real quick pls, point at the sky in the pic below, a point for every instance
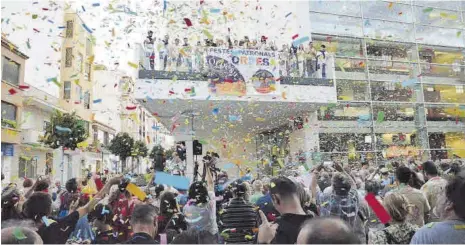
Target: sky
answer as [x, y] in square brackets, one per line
[33, 25]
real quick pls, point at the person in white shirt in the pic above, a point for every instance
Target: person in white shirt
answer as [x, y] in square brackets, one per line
[149, 50]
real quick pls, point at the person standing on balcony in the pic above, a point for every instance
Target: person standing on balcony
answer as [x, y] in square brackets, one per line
[263, 45]
[187, 59]
[310, 57]
[175, 56]
[149, 49]
[164, 52]
[293, 61]
[301, 60]
[284, 60]
[198, 57]
[321, 60]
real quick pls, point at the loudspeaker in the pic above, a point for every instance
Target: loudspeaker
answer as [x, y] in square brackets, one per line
[197, 148]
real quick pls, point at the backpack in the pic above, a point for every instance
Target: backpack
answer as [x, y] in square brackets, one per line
[392, 240]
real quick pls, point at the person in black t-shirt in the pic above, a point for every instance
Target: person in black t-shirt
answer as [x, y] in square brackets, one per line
[144, 225]
[284, 195]
[39, 206]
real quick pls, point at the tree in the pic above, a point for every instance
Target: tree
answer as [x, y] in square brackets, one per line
[157, 156]
[66, 131]
[121, 145]
[139, 150]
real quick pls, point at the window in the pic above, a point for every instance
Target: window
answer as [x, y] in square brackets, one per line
[106, 138]
[46, 124]
[10, 71]
[67, 90]
[334, 24]
[87, 100]
[96, 135]
[27, 167]
[79, 93]
[69, 57]
[80, 63]
[88, 47]
[381, 10]
[69, 28]
[88, 67]
[8, 115]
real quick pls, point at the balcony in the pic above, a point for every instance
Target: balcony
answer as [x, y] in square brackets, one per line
[31, 136]
[219, 73]
[220, 63]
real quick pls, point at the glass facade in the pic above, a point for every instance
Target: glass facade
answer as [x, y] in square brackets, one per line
[400, 78]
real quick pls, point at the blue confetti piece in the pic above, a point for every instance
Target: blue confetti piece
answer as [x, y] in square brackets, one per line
[301, 40]
[287, 15]
[45, 220]
[83, 9]
[215, 11]
[233, 118]
[105, 211]
[50, 21]
[63, 129]
[215, 111]
[87, 28]
[155, 127]
[208, 98]
[365, 117]
[408, 83]
[97, 101]
[228, 166]
[178, 182]
[62, 27]
[96, 4]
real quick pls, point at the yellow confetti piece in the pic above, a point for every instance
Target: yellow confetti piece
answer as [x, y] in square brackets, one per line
[260, 119]
[459, 227]
[208, 34]
[273, 185]
[83, 144]
[133, 65]
[91, 59]
[283, 94]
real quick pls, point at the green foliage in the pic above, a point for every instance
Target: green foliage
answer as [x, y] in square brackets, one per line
[169, 153]
[156, 150]
[139, 149]
[54, 135]
[121, 145]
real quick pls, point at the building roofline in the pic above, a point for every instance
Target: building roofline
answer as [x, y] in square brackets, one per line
[8, 44]
[98, 123]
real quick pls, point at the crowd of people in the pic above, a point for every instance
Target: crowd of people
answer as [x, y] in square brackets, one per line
[352, 204]
[295, 60]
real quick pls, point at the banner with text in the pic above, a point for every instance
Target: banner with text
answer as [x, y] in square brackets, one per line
[242, 71]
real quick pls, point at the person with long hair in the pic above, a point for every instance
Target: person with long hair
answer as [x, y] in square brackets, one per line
[10, 200]
[200, 210]
[400, 231]
[170, 217]
[101, 219]
[415, 197]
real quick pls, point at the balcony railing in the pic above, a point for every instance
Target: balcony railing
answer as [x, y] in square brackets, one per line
[192, 63]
